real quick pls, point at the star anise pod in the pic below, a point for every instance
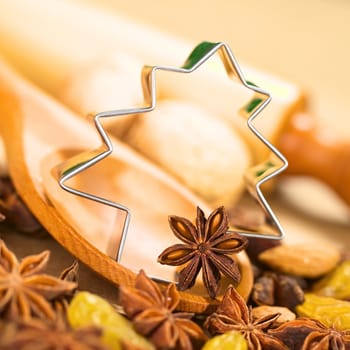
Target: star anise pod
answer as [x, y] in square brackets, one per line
[24, 291]
[233, 314]
[206, 246]
[69, 274]
[153, 316]
[53, 335]
[310, 334]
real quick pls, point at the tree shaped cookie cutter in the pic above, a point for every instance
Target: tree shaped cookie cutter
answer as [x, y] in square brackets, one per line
[255, 176]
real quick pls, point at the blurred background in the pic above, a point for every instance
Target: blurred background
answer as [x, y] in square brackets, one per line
[303, 42]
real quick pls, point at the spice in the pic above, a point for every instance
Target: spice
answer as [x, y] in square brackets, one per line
[310, 334]
[152, 313]
[24, 291]
[54, 335]
[206, 246]
[13, 210]
[70, 273]
[233, 314]
[277, 289]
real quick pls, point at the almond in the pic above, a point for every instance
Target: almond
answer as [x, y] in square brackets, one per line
[305, 260]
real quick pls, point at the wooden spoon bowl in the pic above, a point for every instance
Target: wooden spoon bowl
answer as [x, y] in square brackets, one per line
[39, 134]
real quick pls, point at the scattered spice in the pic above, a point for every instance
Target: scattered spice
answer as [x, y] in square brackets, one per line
[69, 274]
[24, 291]
[152, 313]
[13, 210]
[53, 335]
[310, 334]
[233, 314]
[34, 305]
[277, 289]
[206, 247]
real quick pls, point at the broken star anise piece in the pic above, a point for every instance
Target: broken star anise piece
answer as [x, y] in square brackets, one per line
[206, 246]
[233, 314]
[310, 334]
[52, 335]
[69, 274]
[24, 291]
[151, 312]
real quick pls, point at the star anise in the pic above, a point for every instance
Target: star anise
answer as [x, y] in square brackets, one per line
[207, 246]
[233, 314]
[24, 291]
[69, 274]
[53, 335]
[310, 334]
[151, 312]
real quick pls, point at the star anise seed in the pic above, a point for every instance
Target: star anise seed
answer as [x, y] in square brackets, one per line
[233, 314]
[153, 316]
[206, 247]
[24, 291]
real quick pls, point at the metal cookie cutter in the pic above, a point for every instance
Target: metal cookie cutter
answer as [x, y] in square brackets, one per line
[255, 176]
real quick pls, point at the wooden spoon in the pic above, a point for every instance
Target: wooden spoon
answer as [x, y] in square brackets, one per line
[39, 134]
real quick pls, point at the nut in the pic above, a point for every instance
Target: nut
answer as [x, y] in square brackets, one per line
[305, 260]
[285, 314]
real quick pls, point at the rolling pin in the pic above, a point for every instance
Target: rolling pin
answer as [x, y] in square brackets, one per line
[78, 42]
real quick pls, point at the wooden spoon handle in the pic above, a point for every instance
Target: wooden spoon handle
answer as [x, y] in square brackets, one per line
[315, 151]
